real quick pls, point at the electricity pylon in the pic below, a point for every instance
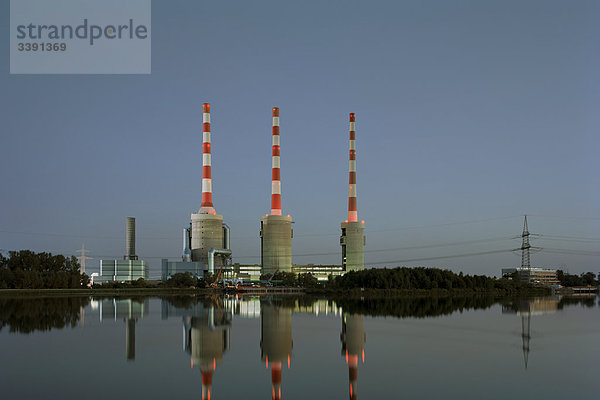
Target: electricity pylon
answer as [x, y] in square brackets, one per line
[83, 257]
[525, 246]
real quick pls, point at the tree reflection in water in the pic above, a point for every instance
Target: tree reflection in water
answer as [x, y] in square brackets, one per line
[27, 315]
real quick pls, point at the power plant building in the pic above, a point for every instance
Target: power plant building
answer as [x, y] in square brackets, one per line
[122, 270]
[128, 269]
[534, 276]
[276, 229]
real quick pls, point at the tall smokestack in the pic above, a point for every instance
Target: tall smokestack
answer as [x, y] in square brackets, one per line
[130, 239]
[276, 229]
[207, 206]
[352, 206]
[275, 175]
[207, 225]
[187, 252]
[352, 239]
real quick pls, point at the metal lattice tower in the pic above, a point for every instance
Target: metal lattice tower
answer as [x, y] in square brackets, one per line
[525, 246]
[83, 257]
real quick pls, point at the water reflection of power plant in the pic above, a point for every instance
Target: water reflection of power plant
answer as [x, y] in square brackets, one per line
[206, 329]
[207, 326]
[128, 310]
[206, 340]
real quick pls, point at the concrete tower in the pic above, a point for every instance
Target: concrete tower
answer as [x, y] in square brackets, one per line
[130, 240]
[353, 347]
[207, 225]
[353, 239]
[276, 341]
[276, 229]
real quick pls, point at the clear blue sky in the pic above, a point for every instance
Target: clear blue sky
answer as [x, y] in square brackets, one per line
[467, 111]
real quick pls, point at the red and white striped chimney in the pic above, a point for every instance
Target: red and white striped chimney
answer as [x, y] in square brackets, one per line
[352, 207]
[207, 206]
[275, 175]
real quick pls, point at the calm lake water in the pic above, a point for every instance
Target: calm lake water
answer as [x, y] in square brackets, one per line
[184, 347]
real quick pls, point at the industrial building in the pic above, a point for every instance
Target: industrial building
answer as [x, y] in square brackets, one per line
[533, 276]
[321, 272]
[276, 229]
[246, 272]
[122, 271]
[128, 269]
[352, 239]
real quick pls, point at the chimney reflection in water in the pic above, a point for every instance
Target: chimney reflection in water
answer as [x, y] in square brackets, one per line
[130, 311]
[276, 341]
[353, 347]
[206, 340]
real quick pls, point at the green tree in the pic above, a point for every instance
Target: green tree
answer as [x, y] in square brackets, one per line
[28, 270]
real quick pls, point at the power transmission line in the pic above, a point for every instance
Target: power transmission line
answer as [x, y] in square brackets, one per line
[442, 257]
[567, 238]
[429, 246]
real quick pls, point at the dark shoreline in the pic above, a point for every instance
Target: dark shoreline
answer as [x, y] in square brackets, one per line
[351, 293]
[374, 293]
[105, 292]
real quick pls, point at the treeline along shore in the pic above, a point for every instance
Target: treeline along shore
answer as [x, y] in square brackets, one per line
[25, 272]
